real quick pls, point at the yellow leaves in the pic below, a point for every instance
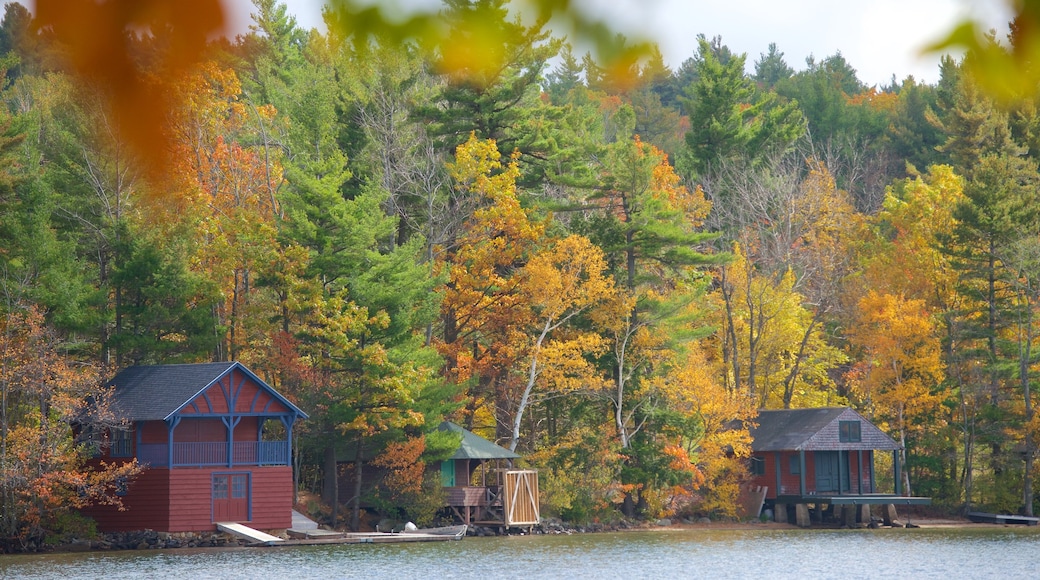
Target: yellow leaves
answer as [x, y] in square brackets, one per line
[473, 48]
[829, 212]
[568, 276]
[565, 366]
[905, 259]
[902, 359]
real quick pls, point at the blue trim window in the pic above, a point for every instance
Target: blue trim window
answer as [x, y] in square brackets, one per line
[758, 466]
[849, 432]
[238, 486]
[795, 465]
[122, 443]
[220, 488]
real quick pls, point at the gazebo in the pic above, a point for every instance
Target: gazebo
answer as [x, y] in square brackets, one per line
[482, 489]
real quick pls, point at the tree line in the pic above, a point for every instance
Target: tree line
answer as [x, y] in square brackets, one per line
[604, 266]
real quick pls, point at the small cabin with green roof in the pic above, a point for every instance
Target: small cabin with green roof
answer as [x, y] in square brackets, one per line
[482, 488]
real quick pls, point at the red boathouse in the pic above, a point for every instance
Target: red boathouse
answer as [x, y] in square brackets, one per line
[822, 456]
[216, 444]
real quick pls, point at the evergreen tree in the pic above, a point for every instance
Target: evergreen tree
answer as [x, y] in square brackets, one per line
[999, 207]
[493, 65]
[730, 119]
[770, 68]
[565, 77]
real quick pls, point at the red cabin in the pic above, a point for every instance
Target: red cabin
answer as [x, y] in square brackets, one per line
[216, 442]
[821, 456]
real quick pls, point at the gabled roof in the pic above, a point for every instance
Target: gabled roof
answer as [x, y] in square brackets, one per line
[474, 446]
[146, 393]
[814, 430]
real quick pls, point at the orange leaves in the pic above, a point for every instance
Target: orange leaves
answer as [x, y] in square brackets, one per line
[226, 193]
[95, 36]
[485, 270]
[404, 465]
[42, 469]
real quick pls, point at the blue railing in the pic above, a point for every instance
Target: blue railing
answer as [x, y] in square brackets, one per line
[215, 453]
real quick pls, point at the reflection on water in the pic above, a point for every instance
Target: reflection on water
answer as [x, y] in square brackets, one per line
[703, 553]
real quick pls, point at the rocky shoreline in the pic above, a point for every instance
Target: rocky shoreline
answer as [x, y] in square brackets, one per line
[152, 540]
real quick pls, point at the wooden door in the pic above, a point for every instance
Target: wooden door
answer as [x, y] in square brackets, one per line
[231, 497]
[448, 473]
[827, 471]
[520, 498]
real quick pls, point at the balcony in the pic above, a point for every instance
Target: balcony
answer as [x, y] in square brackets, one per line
[215, 453]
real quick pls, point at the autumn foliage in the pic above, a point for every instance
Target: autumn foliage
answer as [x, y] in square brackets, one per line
[598, 262]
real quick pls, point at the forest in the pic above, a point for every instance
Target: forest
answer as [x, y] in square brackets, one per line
[606, 266]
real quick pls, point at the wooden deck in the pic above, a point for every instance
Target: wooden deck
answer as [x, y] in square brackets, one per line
[849, 499]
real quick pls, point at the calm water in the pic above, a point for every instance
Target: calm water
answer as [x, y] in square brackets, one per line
[921, 553]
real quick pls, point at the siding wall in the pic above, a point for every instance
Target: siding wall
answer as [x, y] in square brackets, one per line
[181, 501]
[147, 504]
[190, 498]
[789, 482]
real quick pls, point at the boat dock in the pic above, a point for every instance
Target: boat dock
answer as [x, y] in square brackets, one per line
[305, 531]
[369, 538]
[988, 518]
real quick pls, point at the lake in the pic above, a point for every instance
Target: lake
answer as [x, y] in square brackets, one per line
[974, 552]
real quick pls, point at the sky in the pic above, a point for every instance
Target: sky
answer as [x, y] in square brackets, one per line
[879, 38]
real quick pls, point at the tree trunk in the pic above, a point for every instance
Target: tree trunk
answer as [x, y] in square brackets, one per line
[331, 487]
[729, 351]
[1025, 355]
[902, 453]
[355, 515]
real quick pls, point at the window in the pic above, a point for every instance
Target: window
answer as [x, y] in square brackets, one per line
[238, 486]
[220, 487]
[848, 432]
[796, 465]
[122, 443]
[758, 466]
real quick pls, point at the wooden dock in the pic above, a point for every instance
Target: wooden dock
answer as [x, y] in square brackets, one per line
[305, 532]
[315, 536]
[988, 518]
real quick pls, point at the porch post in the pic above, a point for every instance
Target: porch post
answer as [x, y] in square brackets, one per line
[801, 471]
[171, 424]
[840, 453]
[230, 423]
[873, 483]
[859, 471]
[776, 465]
[288, 422]
[896, 468]
[169, 443]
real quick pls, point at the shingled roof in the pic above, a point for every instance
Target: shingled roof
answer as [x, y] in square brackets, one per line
[146, 393]
[814, 430]
[474, 446]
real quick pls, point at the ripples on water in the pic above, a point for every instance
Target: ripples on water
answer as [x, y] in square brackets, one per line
[702, 553]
